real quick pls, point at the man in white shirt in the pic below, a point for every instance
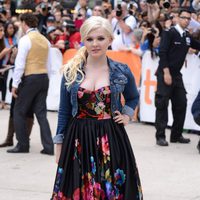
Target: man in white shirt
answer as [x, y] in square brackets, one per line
[123, 24]
[30, 85]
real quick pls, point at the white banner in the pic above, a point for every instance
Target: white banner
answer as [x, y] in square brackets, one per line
[55, 76]
[191, 75]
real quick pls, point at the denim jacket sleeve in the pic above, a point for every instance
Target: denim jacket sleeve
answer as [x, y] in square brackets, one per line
[64, 113]
[130, 94]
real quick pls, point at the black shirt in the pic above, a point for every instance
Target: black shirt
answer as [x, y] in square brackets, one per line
[173, 50]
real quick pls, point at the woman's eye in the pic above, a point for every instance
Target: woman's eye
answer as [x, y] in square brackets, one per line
[89, 39]
[101, 38]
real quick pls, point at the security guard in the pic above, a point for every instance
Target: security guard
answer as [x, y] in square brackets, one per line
[174, 46]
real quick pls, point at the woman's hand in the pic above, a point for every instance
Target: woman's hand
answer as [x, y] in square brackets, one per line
[58, 151]
[5, 51]
[121, 118]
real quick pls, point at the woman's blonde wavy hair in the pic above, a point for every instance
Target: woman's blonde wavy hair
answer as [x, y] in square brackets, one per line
[74, 65]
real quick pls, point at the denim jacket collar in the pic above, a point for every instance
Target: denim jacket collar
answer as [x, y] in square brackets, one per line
[114, 71]
[116, 74]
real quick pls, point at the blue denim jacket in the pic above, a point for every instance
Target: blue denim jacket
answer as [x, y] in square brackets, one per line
[121, 81]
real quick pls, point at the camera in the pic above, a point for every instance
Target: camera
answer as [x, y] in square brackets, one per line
[45, 7]
[2, 2]
[168, 17]
[151, 1]
[69, 24]
[107, 11]
[130, 10]
[2, 10]
[79, 15]
[119, 10]
[166, 4]
[153, 31]
[14, 46]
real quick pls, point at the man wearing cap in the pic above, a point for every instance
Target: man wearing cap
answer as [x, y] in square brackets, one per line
[30, 85]
[51, 21]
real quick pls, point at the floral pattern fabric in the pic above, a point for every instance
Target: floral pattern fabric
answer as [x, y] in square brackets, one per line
[94, 104]
[96, 162]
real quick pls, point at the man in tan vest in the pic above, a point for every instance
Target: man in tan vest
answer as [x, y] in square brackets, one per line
[30, 85]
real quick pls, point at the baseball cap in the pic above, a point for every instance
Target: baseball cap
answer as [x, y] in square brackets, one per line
[50, 29]
[51, 18]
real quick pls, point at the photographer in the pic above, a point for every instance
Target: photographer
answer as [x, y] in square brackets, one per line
[151, 39]
[123, 24]
[107, 8]
[3, 75]
[43, 10]
[56, 37]
[73, 39]
[3, 13]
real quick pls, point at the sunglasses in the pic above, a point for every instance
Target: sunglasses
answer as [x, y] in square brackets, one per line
[184, 17]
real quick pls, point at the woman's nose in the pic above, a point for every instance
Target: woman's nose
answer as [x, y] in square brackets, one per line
[94, 42]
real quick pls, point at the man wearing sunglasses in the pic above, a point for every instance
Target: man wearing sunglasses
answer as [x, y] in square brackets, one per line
[174, 46]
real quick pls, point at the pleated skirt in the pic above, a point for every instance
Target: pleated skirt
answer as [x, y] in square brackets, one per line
[96, 163]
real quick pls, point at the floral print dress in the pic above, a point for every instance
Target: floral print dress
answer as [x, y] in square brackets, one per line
[96, 162]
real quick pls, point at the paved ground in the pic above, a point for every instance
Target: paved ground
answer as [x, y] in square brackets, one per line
[167, 173]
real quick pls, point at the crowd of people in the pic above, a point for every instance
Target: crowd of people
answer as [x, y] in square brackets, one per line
[94, 155]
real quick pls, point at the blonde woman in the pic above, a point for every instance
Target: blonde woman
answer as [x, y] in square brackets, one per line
[95, 158]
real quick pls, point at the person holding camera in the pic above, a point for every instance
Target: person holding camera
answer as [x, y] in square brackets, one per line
[174, 46]
[3, 73]
[151, 39]
[3, 13]
[73, 37]
[43, 10]
[123, 24]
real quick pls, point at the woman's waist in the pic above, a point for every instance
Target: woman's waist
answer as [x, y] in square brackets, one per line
[93, 114]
